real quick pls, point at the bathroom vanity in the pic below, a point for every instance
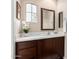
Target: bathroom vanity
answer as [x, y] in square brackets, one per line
[40, 48]
[41, 27]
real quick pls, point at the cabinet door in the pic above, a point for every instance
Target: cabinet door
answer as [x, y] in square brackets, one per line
[51, 46]
[46, 47]
[59, 42]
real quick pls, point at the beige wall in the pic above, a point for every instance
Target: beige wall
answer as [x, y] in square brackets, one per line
[48, 4]
[62, 6]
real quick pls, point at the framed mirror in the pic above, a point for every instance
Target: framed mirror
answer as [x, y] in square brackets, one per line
[60, 19]
[18, 11]
[47, 19]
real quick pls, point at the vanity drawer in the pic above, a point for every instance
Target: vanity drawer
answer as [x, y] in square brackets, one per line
[27, 52]
[23, 45]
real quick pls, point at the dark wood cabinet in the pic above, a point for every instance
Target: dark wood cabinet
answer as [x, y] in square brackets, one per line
[40, 49]
[26, 50]
[51, 46]
[60, 46]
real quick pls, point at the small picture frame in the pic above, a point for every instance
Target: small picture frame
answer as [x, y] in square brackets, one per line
[18, 11]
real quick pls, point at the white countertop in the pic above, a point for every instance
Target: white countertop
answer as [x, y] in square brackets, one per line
[39, 37]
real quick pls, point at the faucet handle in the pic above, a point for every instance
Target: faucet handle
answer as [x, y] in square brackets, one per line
[48, 33]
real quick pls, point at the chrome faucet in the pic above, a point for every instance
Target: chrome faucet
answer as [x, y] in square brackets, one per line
[48, 33]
